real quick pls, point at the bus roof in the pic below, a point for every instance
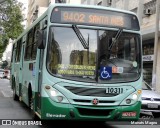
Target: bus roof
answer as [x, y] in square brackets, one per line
[92, 6]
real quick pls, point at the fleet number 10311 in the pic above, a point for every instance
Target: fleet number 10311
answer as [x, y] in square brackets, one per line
[114, 90]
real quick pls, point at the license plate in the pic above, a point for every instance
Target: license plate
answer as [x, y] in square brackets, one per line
[129, 114]
[152, 105]
[114, 90]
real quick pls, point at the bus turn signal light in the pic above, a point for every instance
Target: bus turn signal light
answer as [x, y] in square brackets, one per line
[139, 91]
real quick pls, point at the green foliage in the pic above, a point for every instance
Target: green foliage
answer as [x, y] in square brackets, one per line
[3, 43]
[10, 20]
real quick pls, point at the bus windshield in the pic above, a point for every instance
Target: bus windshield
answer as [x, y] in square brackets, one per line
[68, 59]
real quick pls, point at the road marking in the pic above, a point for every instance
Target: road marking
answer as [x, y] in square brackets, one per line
[5, 94]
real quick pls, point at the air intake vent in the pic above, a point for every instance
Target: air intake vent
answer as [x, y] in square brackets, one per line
[84, 91]
[94, 112]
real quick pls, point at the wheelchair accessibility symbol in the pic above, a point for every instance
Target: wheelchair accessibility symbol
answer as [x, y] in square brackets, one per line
[106, 72]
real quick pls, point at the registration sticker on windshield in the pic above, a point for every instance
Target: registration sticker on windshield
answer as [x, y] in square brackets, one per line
[117, 69]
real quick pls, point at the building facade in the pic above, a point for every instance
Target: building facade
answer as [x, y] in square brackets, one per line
[37, 7]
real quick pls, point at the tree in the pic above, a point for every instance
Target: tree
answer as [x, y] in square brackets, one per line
[3, 43]
[10, 22]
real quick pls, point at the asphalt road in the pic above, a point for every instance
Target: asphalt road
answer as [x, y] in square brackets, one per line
[18, 114]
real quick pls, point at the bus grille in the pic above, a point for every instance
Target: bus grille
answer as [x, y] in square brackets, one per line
[89, 101]
[94, 112]
[84, 91]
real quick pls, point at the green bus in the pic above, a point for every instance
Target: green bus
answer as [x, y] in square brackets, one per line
[79, 62]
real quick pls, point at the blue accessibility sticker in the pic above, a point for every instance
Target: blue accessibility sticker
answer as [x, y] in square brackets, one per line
[105, 72]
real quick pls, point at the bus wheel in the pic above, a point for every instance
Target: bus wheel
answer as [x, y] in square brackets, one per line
[30, 99]
[15, 97]
[34, 116]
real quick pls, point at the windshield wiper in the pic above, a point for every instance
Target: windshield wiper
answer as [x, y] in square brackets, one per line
[80, 37]
[115, 38]
[88, 49]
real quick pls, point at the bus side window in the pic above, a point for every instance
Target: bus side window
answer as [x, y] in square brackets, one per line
[34, 43]
[13, 49]
[18, 51]
[29, 45]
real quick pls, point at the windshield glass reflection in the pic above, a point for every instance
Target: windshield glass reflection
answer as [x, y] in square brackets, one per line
[69, 58]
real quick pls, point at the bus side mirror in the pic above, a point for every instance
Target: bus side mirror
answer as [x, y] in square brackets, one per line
[40, 42]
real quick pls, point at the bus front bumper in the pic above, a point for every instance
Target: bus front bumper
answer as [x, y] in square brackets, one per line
[52, 110]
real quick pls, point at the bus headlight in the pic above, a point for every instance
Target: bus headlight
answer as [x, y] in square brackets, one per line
[134, 97]
[131, 99]
[128, 101]
[55, 95]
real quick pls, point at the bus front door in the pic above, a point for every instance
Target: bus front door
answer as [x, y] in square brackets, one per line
[39, 81]
[39, 63]
[21, 71]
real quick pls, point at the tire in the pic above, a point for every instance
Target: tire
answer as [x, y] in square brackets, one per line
[15, 97]
[156, 114]
[34, 116]
[30, 100]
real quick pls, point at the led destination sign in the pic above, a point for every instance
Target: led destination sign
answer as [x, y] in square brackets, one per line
[94, 17]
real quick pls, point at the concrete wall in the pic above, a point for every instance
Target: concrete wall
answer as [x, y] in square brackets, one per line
[43, 4]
